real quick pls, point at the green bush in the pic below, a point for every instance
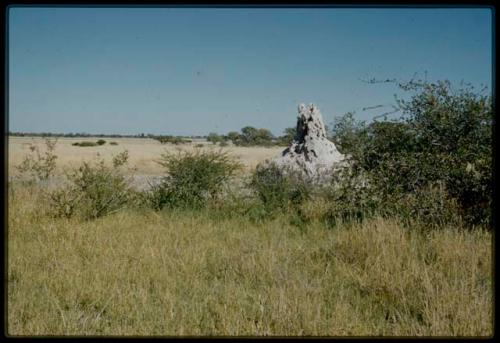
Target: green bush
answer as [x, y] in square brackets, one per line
[193, 179]
[101, 142]
[279, 190]
[85, 144]
[113, 143]
[251, 136]
[214, 138]
[444, 137]
[172, 139]
[94, 190]
[351, 196]
[430, 206]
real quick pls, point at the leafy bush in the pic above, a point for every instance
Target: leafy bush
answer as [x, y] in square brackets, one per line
[101, 142]
[192, 180]
[171, 139]
[214, 138]
[279, 189]
[94, 190]
[443, 138]
[431, 206]
[233, 136]
[38, 166]
[351, 196]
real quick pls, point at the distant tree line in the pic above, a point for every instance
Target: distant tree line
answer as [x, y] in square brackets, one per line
[171, 139]
[251, 136]
[84, 134]
[248, 136]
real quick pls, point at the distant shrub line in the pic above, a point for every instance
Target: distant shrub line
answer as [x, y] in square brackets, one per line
[89, 143]
[249, 136]
[171, 139]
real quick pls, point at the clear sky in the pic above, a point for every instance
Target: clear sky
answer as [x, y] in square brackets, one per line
[191, 71]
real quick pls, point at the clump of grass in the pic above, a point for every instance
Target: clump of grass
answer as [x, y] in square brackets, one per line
[101, 142]
[193, 179]
[113, 143]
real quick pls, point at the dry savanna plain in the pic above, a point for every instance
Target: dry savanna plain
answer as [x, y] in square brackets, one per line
[218, 272]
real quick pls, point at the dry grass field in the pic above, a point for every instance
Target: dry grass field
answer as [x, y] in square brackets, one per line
[141, 272]
[143, 152]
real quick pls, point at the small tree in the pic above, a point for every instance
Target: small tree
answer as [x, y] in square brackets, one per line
[288, 135]
[214, 138]
[234, 137]
[263, 137]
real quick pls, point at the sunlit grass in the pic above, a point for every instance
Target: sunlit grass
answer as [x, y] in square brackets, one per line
[190, 273]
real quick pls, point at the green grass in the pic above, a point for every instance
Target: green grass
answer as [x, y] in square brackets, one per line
[191, 273]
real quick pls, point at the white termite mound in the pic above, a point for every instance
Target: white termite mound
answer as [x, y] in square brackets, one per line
[310, 153]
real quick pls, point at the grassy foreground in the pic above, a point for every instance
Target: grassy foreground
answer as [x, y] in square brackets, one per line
[188, 273]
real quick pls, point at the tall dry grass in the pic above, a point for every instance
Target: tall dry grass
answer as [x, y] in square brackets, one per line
[190, 273]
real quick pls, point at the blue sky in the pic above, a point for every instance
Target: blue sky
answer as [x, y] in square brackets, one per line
[191, 71]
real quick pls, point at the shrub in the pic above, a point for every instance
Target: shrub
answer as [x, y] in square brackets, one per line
[85, 144]
[351, 196]
[94, 190]
[38, 166]
[192, 180]
[121, 159]
[214, 138]
[444, 137]
[234, 137]
[430, 206]
[113, 143]
[171, 139]
[101, 142]
[279, 189]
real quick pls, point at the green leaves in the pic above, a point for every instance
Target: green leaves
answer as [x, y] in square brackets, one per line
[192, 178]
[444, 137]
